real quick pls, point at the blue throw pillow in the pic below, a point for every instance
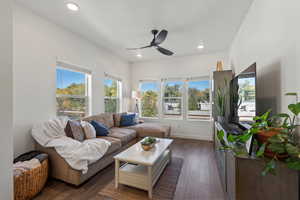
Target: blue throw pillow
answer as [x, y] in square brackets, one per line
[101, 129]
[127, 120]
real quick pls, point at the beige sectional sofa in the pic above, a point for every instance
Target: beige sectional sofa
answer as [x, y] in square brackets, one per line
[120, 137]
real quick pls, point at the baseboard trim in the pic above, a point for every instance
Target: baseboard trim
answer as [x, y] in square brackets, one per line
[191, 137]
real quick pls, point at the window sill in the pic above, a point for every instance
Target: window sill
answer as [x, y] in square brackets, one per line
[171, 119]
[175, 119]
[148, 117]
[199, 120]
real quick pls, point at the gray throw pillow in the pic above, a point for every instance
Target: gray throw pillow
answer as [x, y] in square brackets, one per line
[74, 130]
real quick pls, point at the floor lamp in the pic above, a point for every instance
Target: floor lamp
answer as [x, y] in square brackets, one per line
[136, 95]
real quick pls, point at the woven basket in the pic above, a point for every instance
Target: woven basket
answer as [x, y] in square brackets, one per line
[31, 182]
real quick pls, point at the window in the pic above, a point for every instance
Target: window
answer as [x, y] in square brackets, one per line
[198, 99]
[72, 89]
[113, 94]
[149, 98]
[180, 98]
[172, 98]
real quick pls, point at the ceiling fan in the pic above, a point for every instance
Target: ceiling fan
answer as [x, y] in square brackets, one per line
[158, 38]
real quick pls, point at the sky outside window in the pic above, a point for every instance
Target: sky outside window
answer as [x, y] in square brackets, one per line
[65, 78]
[108, 82]
[199, 85]
[173, 83]
[149, 86]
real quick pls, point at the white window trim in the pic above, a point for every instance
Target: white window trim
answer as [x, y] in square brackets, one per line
[72, 67]
[88, 84]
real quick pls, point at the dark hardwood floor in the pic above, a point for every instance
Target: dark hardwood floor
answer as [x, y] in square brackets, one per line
[198, 180]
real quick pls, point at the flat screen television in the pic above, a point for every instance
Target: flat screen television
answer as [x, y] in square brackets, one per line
[243, 96]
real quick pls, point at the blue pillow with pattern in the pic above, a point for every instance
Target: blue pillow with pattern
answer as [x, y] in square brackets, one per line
[127, 120]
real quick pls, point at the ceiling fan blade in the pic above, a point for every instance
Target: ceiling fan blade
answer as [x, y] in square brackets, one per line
[164, 51]
[139, 48]
[161, 37]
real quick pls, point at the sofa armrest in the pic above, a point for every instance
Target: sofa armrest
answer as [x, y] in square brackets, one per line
[59, 168]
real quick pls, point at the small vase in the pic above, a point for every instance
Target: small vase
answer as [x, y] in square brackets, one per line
[220, 66]
[147, 147]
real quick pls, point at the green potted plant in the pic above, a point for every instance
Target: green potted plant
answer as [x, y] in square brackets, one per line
[266, 127]
[221, 102]
[221, 105]
[148, 143]
[236, 101]
[276, 138]
[284, 145]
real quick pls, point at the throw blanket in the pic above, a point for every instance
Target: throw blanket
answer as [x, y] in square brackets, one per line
[77, 154]
[20, 167]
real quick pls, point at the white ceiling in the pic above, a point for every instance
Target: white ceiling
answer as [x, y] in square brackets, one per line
[119, 24]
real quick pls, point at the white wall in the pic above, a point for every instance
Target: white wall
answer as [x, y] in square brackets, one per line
[176, 67]
[269, 36]
[37, 44]
[6, 141]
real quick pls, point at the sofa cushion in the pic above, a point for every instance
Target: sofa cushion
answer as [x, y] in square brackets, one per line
[115, 144]
[101, 129]
[123, 134]
[128, 120]
[74, 130]
[104, 118]
[117, 118]
[151, 129]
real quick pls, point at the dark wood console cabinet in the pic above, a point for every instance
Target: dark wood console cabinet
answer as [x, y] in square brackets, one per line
[242, 180]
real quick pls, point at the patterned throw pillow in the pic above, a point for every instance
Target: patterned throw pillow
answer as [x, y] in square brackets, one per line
[117, 118]
[101, 129]
[89, 130]
[74, 130]
[128, 120]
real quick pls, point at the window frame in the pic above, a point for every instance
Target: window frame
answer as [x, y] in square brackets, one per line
[194, 79]
[182, 110]
[88, 85]
[158, 99]
[119, 97]
[184, 97]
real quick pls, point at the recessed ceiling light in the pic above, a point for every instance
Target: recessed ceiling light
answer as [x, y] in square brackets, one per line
[139, 55]
[200, 46]
[72, 6]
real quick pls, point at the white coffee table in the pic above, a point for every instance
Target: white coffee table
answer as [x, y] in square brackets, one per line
[142, 168]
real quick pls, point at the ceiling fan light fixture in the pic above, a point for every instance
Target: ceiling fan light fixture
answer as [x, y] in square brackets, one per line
[158, 38]
[72, 6]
